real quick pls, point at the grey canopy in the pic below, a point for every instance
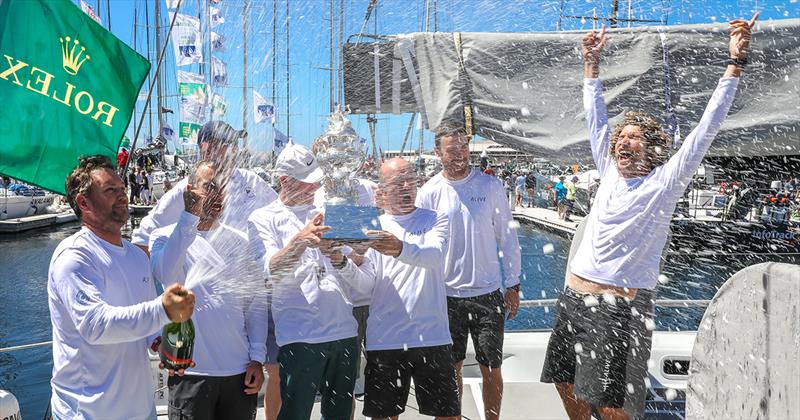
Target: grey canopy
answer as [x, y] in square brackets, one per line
[525, 88]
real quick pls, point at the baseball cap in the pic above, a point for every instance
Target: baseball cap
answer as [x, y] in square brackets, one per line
[575, 178]
[298, 162]
[219, 132]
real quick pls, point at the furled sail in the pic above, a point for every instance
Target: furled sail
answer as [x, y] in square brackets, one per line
[524, 89]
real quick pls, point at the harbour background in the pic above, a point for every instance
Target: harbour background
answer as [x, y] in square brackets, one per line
[25, 258]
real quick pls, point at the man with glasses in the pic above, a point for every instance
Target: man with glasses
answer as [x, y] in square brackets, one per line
[482, 238]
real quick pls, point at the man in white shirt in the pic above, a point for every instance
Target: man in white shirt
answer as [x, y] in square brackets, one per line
[407, 334]
[314, 324]
[625, 234]
[103, 306]
[231, 317]
[245, 190]
[482, 237]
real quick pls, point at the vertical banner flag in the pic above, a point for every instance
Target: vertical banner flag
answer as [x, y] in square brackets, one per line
[218, 106]
[263, 110]
[217, 42]
[216, 17]
[279, 141]
[219, 72]
[188, 132]
[186, 40]
[192, 92]
[90, 11]
[61, 70]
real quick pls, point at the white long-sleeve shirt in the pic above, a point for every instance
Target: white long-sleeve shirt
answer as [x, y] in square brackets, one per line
[230, 315]
[103, 307]
[482, 234]
[311, 303]
[245, 192]
[628, 225]
[408, 292]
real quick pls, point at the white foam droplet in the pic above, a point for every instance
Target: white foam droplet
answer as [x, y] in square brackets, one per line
[578, 348]
[513, 224]
[663, 279]
[630, 388]
[527, 112]
[650, 324]
[548, 248]
[670, 394]
[590, 301]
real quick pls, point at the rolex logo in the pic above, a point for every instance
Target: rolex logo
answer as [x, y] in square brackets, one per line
[72, 58]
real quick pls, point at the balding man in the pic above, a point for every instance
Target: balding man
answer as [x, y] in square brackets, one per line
[407, 333]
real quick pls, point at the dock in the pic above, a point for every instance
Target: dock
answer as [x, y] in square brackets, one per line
[36, 221]
[39, 221]
[547, 219]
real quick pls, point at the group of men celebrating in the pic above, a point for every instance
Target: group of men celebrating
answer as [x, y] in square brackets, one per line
[445, 266]
[223, 231]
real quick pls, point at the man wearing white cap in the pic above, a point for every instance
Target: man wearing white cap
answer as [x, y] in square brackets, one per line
[314, 324]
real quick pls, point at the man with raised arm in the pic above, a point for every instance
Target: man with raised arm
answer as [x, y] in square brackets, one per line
[407, 334]
[482, 238]
[311, 303]
[231, 316]
[245, 190]
[626, 232]
[103, 305]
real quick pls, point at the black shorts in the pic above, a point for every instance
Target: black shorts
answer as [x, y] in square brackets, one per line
[483, 317]
[388, 379]
[210, 397]
[589, 347]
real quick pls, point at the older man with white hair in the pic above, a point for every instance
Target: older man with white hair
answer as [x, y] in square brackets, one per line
[314, 324]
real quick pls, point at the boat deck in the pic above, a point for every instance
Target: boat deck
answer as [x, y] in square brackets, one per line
[525, 397]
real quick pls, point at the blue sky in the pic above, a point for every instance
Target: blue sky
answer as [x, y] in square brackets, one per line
[309, 45]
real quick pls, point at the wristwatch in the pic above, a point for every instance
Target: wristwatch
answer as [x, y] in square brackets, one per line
[737, 61]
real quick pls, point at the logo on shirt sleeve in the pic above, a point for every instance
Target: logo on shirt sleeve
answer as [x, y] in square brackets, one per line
[81, 297]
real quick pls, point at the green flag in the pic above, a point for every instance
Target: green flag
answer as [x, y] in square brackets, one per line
[68, 87]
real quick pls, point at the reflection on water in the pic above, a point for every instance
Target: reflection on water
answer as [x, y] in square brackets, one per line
[23, 287]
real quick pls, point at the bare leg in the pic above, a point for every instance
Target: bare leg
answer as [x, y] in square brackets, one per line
[576, 409]
[460, 380]
[492, 392]
[272, 398]
[607, 413]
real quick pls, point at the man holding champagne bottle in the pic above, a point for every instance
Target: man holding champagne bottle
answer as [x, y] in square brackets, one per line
[103, 305]
[229, 342]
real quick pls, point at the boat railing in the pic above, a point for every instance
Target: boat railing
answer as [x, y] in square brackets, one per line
[535, 303]
[663, 303]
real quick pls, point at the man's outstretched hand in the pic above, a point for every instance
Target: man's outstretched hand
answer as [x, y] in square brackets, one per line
[591, 49]
[741, 33]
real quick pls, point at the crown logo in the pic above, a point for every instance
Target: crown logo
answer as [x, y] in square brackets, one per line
[71, 58]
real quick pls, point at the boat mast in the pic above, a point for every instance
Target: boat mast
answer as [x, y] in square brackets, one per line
[158, 76]
[331, 68]
[136, 48]
[288, 79]
[340, 85]
[244, 73]
[149, 74]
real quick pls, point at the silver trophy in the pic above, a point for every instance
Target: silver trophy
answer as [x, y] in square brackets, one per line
[349, 209]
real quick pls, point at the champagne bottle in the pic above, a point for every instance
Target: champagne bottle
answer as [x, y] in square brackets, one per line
[177, 345]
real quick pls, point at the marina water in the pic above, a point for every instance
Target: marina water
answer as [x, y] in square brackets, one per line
[25, 258]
